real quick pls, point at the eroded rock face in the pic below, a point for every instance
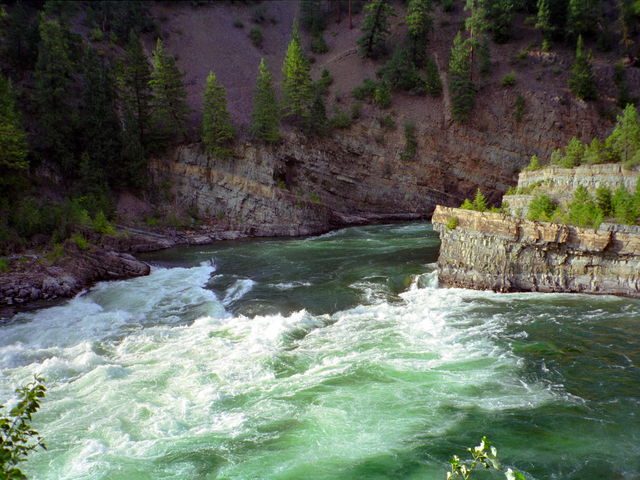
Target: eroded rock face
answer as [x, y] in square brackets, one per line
[491, 251]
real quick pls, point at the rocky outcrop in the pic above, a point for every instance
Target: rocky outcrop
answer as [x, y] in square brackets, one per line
[298, 187]
[40, 279]
[559, 183]
[492, 251]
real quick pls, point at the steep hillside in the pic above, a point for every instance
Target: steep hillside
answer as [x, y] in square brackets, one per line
[453, 158]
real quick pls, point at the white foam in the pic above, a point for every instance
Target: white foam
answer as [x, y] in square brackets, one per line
[238, 290]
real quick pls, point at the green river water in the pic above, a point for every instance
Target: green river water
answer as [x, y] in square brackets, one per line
[327, 358]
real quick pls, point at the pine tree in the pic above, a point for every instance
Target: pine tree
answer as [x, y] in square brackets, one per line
[477, 23]
[461, 88]
[51, 97]
[13, 145]
[296, 81]
[624, 141]
[372, 43]
[582, 16]
[581, 81]
[432, 80]
[500, 19]
[265, 118]
[312, 16]
[169, 106]
[544, 22]
[419, 24]
[20, 34]
[133, 77]
[99, 120]
[217, 130]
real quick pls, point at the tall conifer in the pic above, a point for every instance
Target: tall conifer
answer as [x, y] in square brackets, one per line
[13, 145]
[419, 25]
[581, 81]
[296, 81]
[375, 30]
[461, 87]
[217, 130]
[265, 117]
[53, 81]
[170, 108]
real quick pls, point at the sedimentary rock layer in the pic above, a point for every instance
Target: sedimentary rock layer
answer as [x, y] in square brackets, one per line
[491, 251]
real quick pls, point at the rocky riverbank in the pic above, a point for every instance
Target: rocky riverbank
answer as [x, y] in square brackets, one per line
[492, 251]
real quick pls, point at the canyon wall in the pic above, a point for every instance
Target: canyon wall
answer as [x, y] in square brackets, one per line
[492, 251]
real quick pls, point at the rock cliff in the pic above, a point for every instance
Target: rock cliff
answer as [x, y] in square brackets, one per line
[559, 183]
[497, 252]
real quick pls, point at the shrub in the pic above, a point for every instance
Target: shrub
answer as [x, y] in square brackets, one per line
[340, 119]
[448, 6]
[318, 45]
[80, 241]
[96, 35]
[623, 206]
[534, 164]
[582, 211]
[256, 36]
[383, 95]
[452, 223]
[479, 203]
[411, 142]
[238, 24]
[17, 438]
[387, 122]
[365, 91]
[322, 85]
[259, 14]
[542, 208]
[4, 264]
[56, 253]
[604, 200]
[356, 111]
[508, 80]
[432, 82]
[101, 225]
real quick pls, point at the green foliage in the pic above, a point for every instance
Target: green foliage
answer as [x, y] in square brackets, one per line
[594, 153]
[410, 142]
[316, 121]
[4, 265]
[265, 117]
[452, 223]
[624, 208]
[508, 80]
[387, 122]
[356, 111]
[419, 25]
[604, 200]
[20, 36]
[620, 80]
[400, 72]
[581, 81]
[340, 119]
[382, 95]
[365, 91]
[17, 438]
[519, 108]
[479, 203]
[256, 37]
[80, 241]
[624, 141]
[484, 455]
[318, 44]
[542, 208]
[120, 18]
[583, 211]
[432, 82]
[582, 17]
[461, 88]
[217, 130]
[134, 97]
[500, 19]
[312, 16]
[534, 164]
[322, 85]
[101, 225]
[573, 154]
[53, 73]
[375, 29]
[169, 104]
[484, 55]
[100, 124]
[296, 82]
[13, 144]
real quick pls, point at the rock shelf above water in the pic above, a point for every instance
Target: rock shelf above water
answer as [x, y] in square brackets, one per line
[492, 251]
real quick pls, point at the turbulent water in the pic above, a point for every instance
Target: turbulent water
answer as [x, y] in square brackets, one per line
[333, 357]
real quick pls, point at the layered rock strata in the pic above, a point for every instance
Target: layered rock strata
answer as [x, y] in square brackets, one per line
[559, 183]
[491, 251]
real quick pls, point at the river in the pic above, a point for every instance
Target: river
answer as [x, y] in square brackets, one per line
[334, 357]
